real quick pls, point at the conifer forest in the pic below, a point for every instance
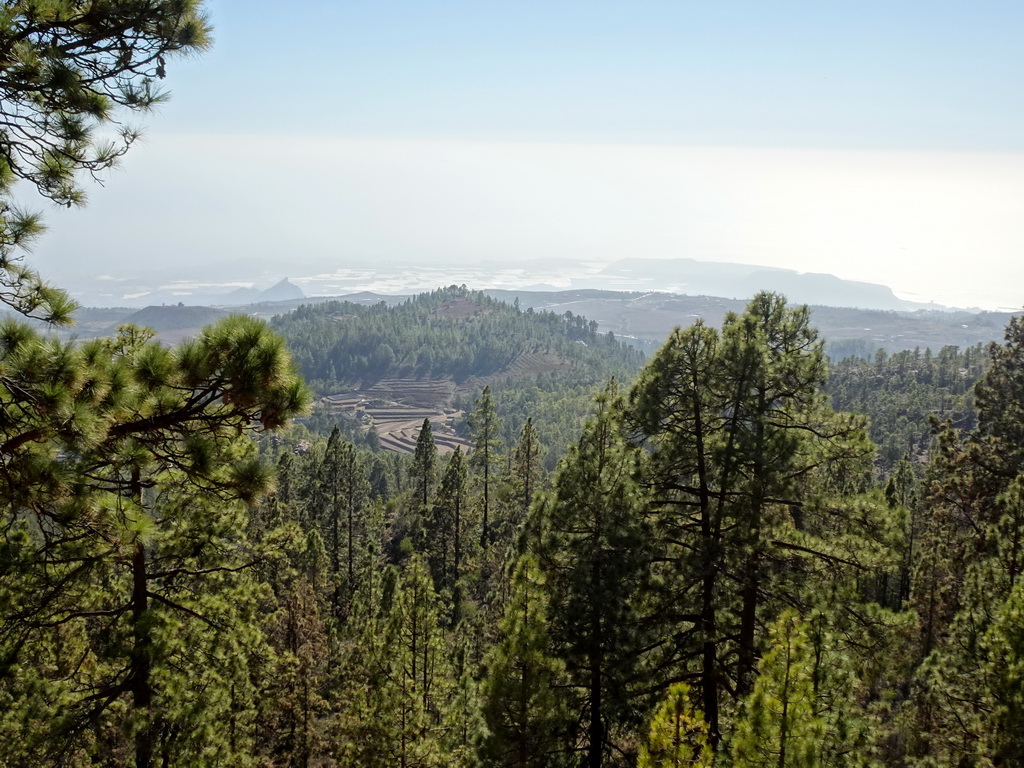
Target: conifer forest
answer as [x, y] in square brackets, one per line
[732, 553]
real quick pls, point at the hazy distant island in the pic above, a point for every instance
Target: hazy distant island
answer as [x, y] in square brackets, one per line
[639, 300]
[252, 283]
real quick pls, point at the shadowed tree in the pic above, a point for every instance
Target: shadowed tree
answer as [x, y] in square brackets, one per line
[527, 720]
[779, 728]
[446, 528]
[967, 584]
[131, 423]
[526, 474]
[345, 488]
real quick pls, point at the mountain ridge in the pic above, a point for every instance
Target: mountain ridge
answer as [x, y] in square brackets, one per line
[685, 276]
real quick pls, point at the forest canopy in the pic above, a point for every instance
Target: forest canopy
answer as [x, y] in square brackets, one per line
[718, 571]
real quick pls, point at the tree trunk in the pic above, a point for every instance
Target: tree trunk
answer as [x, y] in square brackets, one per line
[751, 577]
[485, 533]
[595, 749]
[596, 726]
[141, 661]
[709, 628]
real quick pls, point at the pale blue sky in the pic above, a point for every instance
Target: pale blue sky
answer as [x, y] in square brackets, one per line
[893, 75]
[878, 141]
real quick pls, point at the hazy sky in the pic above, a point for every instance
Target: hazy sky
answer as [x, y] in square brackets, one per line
[879, 141]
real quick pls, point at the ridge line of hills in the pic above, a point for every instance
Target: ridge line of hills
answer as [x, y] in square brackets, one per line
[643, 318]
[687, 276]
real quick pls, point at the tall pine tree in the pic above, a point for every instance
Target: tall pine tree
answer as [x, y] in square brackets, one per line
[485, 425]
[593, 552]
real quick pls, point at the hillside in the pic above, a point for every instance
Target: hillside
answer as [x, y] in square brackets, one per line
[437, 351]
[283, 290]
[176, 317]
[452, 334]
[902, 394]
[648, 318]
[644, 319]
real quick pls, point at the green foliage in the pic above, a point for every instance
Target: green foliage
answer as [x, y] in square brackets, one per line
[904, 391]
[126, 462]
[196, 624]
[448, 541]
[779, 727]
[424, 466]
[678, 736]
[526, 472]
[339, 500]
[398, 709]
[527, 720]
[68, 69]
[537, 364]
[592, 549]
[154, 610]
[806, 707]
[486, 430]
[1002, 742]
[754, 482]
[451, 332]
[965, 587]
[79, 419]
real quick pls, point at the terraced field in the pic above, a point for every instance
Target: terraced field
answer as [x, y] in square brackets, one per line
[395, 407]
[525, 364]
[425, 393]
[398, 425]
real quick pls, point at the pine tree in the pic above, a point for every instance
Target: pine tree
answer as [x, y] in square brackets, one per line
[1002, 737]
[422, 677]
[69, 70]
[527, 472]
[746, 461]
[678, 736]
[527, 720]
[486, 430]
[103, 497]
[679, 405]
[151, 680]
[363, 692]
[424, 466]
[779, 727]
[967, 577]
[447, 528]
[593, 552]
[345, 488]
[464, 726]
[127, 464]
[969, 570]
[291, 704]
[902, 494]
